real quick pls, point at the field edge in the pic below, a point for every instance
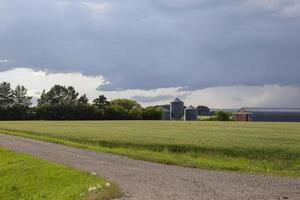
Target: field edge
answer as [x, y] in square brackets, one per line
[181, 159]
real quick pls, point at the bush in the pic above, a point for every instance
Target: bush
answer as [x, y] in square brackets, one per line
[152, 113]
[222, 116]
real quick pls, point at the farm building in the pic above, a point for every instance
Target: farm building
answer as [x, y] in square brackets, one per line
[176, 109]
[268, 114]
[190, 114]
[166, 114]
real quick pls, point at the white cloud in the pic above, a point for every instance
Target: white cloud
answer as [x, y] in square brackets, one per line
[97, 8]
[220, 97]
[150, 94]
[292, 10]
[288, 8]
[239, 96]
[214, 97]
[5, 61]
[181, 3]
[36, 81]
[265, 4]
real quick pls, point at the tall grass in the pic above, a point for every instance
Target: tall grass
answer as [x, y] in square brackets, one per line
[272, 148]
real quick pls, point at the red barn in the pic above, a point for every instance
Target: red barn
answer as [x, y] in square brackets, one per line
[242, 115]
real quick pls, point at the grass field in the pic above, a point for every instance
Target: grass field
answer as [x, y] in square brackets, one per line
[24, 177]
[271, 148]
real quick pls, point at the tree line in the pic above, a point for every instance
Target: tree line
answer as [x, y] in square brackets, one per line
[65, 103]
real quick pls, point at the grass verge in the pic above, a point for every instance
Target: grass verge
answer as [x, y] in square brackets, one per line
[26, 177]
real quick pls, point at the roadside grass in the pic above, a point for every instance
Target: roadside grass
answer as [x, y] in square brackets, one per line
[26, 177]
[268, 148]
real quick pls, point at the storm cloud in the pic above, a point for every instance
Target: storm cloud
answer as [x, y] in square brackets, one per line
[146, 44]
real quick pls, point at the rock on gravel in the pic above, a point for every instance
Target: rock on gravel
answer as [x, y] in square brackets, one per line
[143, 180]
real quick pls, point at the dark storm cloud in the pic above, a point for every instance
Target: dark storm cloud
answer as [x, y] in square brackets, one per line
[150, 44]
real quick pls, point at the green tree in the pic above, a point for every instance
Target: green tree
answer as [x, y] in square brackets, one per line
[127, 104]
[152, 113]
[82, 99]
[59, 95]
[43, 98]
[116, 113]
[130, 108]
[101, 102]
[20, 97]
[203, 110]
[6, 95]
[71, 97]
[136, 113]
[222, 116]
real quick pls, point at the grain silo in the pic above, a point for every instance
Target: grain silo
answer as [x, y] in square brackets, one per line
[176, 109]
[165, 114]
[190, 114]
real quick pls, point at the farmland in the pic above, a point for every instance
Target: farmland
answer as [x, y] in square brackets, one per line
[27, 177]
[270, 148]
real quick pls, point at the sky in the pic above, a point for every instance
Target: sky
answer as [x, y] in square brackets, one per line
[219, 53]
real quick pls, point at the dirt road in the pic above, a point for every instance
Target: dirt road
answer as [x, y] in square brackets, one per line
[142, 180]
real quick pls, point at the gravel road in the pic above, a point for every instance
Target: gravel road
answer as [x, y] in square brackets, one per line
[142, 180]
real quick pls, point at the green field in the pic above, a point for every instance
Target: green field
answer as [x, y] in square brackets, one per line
[23, 177]
[271, 148]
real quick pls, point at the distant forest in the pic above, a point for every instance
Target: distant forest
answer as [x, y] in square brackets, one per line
[65, 103]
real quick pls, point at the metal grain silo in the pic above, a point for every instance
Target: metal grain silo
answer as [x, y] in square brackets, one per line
[176, 109]
[165, 114]
[190, 114]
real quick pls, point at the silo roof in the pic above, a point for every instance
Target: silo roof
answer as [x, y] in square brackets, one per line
[177, 100]
[191, 108]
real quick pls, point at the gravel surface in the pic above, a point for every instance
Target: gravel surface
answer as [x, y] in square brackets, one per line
[141, 180]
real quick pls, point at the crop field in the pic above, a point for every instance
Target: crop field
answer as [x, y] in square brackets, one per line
[269, 148]
[26, 177]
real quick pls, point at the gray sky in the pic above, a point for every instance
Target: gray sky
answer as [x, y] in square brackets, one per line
[154, 44]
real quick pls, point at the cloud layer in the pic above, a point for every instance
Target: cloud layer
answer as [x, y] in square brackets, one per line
[147, 45]
[215, 97]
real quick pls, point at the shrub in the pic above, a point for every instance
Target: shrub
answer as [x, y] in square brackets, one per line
[222, 116]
